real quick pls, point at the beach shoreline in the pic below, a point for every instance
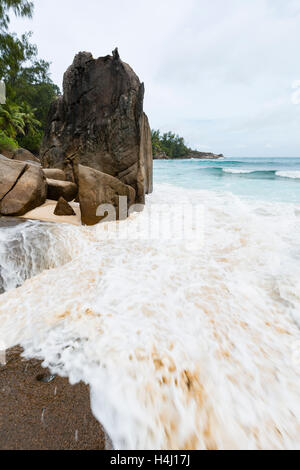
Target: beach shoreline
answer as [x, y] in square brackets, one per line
[41, 415]
[150, 376]
[45, 213]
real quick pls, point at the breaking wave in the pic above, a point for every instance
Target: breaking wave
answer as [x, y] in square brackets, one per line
[184, 346]
[237, 171]
[28, 248]
[288, 174]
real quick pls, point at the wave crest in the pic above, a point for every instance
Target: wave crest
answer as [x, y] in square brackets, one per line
[288, 174]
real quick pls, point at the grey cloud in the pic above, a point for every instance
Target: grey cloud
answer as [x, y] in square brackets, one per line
[218, 72]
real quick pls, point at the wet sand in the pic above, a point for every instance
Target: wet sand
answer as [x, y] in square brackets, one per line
[36, 415]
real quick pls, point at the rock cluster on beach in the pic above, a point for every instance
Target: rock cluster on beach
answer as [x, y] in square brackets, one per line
[99, 122]
[96, 147]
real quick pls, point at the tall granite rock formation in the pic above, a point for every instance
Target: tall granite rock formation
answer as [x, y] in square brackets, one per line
[99, 122]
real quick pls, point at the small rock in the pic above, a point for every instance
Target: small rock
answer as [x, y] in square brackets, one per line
[63, 208]
[45, 378]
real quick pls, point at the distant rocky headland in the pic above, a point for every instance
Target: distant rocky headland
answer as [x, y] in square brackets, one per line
[96, 146]
[192, 155]
[170, 146]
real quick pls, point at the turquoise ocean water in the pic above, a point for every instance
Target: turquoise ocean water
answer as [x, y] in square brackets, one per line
[272, 179]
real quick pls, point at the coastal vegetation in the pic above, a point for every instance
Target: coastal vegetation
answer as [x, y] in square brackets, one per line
[29, 88]
[172, 146]
[169, 144]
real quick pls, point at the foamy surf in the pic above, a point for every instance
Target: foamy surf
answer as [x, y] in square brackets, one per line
[237, 171]
[288, 174]
[29, 247]
[184, 347]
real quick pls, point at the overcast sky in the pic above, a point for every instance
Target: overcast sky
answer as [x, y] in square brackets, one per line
[218, 72]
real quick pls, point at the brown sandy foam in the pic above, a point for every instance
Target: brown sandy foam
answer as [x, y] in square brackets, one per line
[43, 416]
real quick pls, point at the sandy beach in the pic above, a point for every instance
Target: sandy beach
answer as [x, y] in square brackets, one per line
[36, 415]
[46, 213]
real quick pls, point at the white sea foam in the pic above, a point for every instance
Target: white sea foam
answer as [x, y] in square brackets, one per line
[182, 349]
[288, 174]
[28, 248]
[237, 170]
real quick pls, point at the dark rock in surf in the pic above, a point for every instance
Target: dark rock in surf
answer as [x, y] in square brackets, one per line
[100, 120]
[63, 208]
[45, 378]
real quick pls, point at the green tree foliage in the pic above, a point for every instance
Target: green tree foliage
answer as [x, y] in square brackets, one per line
[29, 88]
[7, 143]
[169, 143]
[32, 136]
[31, 142]
[31, 124]
[19, 7]
[11, 120]
[20, 124]
[27, 78]
[156, 143]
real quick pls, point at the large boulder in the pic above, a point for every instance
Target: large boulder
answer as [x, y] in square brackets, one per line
[24, 155]
[22, 187]
[9, 174]
[96, 188]
[100, 121]
[54, 174]
[65, 189]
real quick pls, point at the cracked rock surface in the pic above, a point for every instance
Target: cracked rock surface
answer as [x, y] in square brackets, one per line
[23, 187]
